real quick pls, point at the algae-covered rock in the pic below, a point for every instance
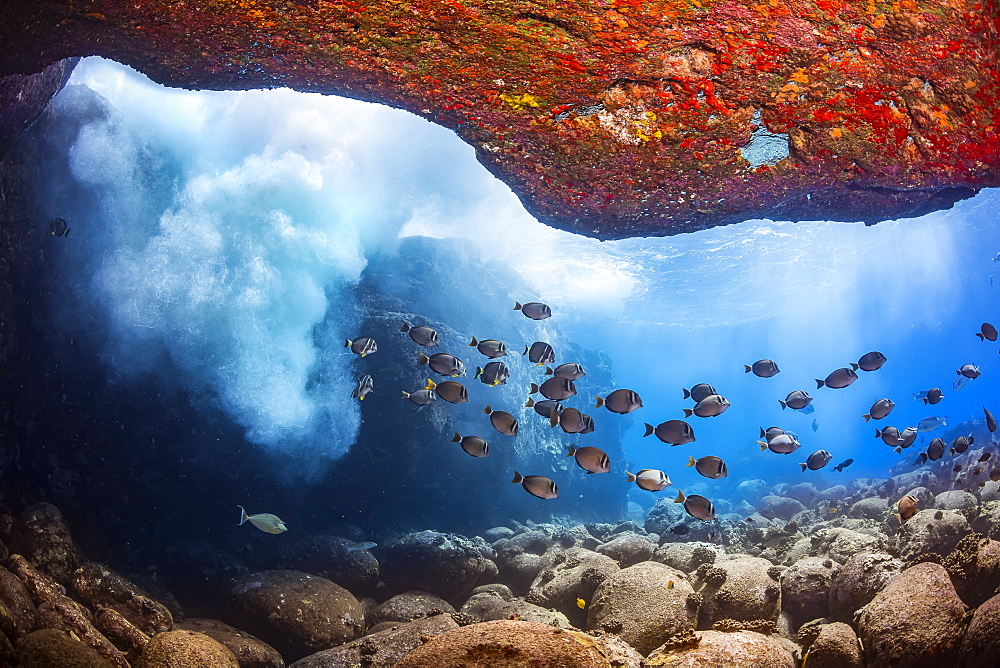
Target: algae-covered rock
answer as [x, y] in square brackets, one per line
[445, 564]
[384, 648]
[861, 578]
[173, 649]
[841, 544]
[44, 540]
[17, 610]
[408, 606]
[356, 571]
[743, 589]
[50, 648]
[487, 606]
[746, 649]
[686, 557]
[628, 549]
[250, 652]
[64, 614]
[836, 646]
[570, 575]
[98, 585]
[932, 531]
[981, 644]
[805, 588]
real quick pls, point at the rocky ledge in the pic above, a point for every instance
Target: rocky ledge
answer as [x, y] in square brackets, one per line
[611, 118]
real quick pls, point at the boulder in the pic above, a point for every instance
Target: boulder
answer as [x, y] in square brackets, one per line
[981, 645]
[64, 614]
[804, 492]
[296, 613]
[17, 610]
[569, 575]
[743, 589]
[779, 507]
[44, 540]
[122, 633]
[445, 564]
[990, 491]
[408, 606]
[836, 646]
[644, 604]
[328, 556]
[862, 577]
[872, 508]
[841, 544]
[518, 570]
[628, 549]
[250, 652]
[687, 557]
[664, 515]
[488, 606]
[508, 643]
[746, 649]
[956, 499]
[805, 588]
[173, 649]
[931, 530]
[98, 585]
[384, 648]
[49, 648]
[753, 490]
[916, 620]
[974, 566]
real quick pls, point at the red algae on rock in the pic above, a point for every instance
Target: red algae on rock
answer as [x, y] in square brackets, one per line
[612, 118]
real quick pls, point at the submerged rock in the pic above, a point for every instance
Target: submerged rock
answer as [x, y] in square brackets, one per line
[408, 606]
[488, 606]
[445, 564]
[779, 507]
[931, 530]
[836, 646]
[717, 648]
[981, 644]
[98, 585]
[17, 610]
[841, 544]
[44, 540]
[47, 648]
[916, 620]
[567, 576]
[327, 556]
[742, 589]
[687, 557]
[384, 648]
[805, 588]
[862, 577]
[628, 549]
[186, 648]
[250, 652]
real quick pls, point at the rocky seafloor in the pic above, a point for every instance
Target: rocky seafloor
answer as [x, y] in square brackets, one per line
[824, 577]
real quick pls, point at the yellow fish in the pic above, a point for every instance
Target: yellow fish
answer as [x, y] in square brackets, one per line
[670, 585]
[580, 603]
[832, 511]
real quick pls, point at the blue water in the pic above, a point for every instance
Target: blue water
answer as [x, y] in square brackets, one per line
[217, 237]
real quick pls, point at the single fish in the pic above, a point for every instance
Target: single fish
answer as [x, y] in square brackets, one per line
[962, 443]
[364, 386]
[621, 401]
[421, 397]
[709, 466]
[987, 332]
[838, 379]
[985, 457]
[590, 459]
[537, 485]
[710, 406]
[363, 345]
[502, 421]
[699, 392]
[932, 396]
[266, 522]
[843, 465]
[815, 425]
[798, 400]
[696, 506]
[580, 603]
[473, 445]
[991, 424]
[670, 584]
[672, 432]
[540, 353]
[783, 444]
[573, 421]
[932, 423]
[451, 391]
[534, 310]
[906, 508]
[555, 388]
[935, 449]
[545, 407]
[959, 383]
[816, 460]
[762, 368]
[490, 347]
[872, 361]
[651, 480]
[570, 370]
[969, 371]
[493, 374]
[681, 530]
[443, 364]
[59, 228]
[879, 410]
[424, 336]
[361, 547]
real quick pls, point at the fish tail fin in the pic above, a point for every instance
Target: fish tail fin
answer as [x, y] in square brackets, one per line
[488, 409]
[526, 349]
[553, 418]
[820, 383]
[474, 342]
[430, 384]
[600, 402]
[982, 337]
[517, 306]
[631, 476]
[479, 371]
[763, 445]
[898, 518]
[405, 395]
[691, 461]
[687, 394]
[783, 404]
[572, 451]
[243, 516]
[422, 360]
[804, 466]
[649, 429]
[688, 412]
[866, 416]
[746, 368]
[529, 403]
[680, 497]
[878, 433]
[405, 327]
[456, 438]
[854, 367]
[549, 371]
[347, 343]
[517, 477]
[534, 388]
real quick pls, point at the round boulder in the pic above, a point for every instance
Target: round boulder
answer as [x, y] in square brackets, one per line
[45, 541]
[627, 549]
[917, 620]
[249, 651]
[871, 508]
[507, 643]
[861, 578]
[956, 499]
[357, 571]
[805, 588]
[644, 604]
[408, 606]
[488, 606]
[186, 648]
[383, 648]
[932, 531]
[836, 646]
[742, 589]
[686, 557]
[570, 575]
[980, 647]
[841, 544]
[46, 648]
[296, 613]
[664, 515]
[717, 648]
[804, 492]
[779, 507]
[445, 564]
